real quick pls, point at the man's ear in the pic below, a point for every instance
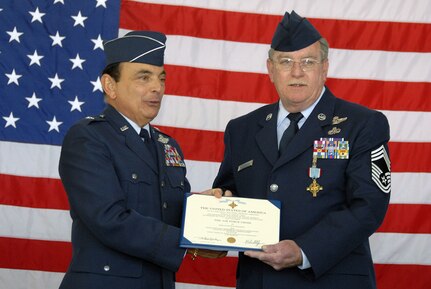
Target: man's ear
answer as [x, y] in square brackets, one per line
[270, 67]
[109, 86]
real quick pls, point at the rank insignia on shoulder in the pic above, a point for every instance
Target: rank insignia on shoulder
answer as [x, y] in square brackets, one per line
[381, 169]
[172, 157]
[331, 148]
[89, 117]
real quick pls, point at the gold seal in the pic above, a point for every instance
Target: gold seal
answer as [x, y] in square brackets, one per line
[231, 240]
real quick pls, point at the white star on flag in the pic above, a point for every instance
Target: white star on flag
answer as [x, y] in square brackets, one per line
[79, 19]
[98, 43]
[56, 81]
[35, 58]
[13, 77]
[76, 104]
[10, 120]
[54, 124]
[77, 62]
[57, 39]
[101, 3]
[37, 15]
[33, 100]
[97, 85]
[14, 35]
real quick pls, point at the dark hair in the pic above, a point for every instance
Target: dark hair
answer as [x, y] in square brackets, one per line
[113, 70]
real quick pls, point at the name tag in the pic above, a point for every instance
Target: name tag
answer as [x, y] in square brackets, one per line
[245, 165]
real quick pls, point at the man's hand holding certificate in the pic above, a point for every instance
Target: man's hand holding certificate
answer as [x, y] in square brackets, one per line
[229, 223]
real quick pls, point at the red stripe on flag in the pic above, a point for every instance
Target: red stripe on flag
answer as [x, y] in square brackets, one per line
[216, 272]
[254, 87]
[197, 145]
[208, 146]
[25, 254]
[344, 34]
[403, 276]
[407, 218]
[410, 157]
[383, 95]
[32, 192]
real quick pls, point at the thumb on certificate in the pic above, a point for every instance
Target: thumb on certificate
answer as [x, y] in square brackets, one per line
[218, 193]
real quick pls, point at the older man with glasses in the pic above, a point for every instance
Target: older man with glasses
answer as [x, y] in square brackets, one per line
[325, 159]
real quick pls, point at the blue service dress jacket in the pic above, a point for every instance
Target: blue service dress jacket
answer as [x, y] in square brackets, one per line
[125, 205]
[333, 227]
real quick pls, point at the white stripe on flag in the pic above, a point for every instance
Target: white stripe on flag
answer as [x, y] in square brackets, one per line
[251, 57]
[26, 279]
[200, 173]
[395, 248]
[30, 223]
[213, 115]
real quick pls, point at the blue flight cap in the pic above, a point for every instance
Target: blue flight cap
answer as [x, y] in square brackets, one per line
[136, 46]
[294, 33]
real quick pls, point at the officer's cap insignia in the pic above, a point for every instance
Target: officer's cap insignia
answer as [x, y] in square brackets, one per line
[163, 139]
[124, 128]
[337, 119]
[334, 130]
[268, 117]
[321, 116]
[381, 169]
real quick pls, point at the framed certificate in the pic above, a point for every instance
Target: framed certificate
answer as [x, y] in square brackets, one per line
[229, 223]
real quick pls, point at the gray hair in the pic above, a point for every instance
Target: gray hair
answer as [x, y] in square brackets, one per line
[324, 49]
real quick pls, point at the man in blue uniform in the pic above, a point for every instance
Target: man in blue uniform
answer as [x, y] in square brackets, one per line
[324, 158]
[124, 179]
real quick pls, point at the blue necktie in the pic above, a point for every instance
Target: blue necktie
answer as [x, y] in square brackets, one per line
[290, 131]
[149, 142]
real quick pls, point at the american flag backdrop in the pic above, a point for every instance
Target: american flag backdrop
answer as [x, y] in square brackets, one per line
[50, 60]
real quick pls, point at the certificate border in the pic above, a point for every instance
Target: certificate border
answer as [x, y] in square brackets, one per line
[185, 243]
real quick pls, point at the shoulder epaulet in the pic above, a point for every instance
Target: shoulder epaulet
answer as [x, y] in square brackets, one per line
[90, 119]
[163, 137]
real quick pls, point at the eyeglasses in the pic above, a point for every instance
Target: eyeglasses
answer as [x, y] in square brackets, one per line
[306, 64]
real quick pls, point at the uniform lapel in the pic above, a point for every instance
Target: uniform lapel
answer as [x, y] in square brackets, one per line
[312, 129]
[132, 139]
[266, 138]
[160, 142]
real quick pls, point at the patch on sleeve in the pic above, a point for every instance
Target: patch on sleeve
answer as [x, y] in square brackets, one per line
[381, 169]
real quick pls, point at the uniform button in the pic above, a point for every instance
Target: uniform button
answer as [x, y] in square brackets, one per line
[182, 183]
[165, 205]
[273, 188]
[106, 268]
[162, 184]
[134, 176]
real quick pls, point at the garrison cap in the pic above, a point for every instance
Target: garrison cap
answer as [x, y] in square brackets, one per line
[294, 33]
[136, 46]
